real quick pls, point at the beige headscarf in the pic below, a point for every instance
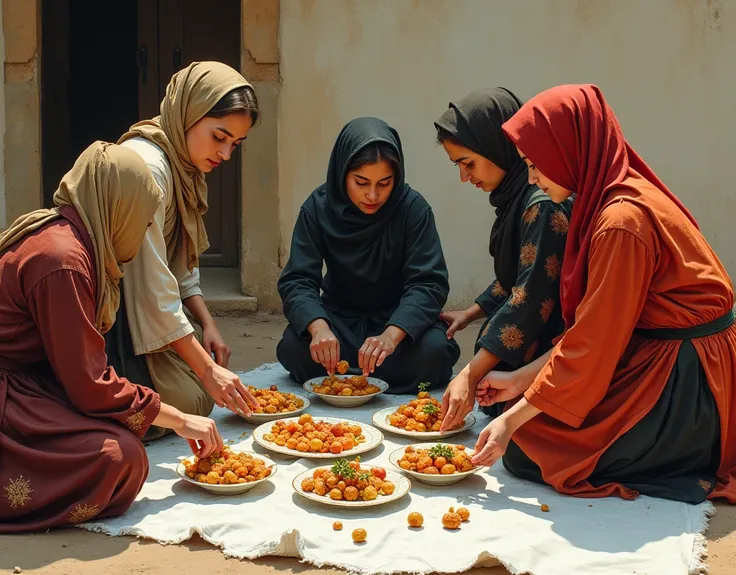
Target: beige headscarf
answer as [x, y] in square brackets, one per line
[114, 192]
[190, 95]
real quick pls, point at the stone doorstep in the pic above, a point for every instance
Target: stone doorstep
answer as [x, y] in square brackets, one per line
[221, 289]
[234, 306]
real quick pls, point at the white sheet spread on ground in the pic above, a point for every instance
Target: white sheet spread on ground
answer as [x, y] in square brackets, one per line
[592, 536]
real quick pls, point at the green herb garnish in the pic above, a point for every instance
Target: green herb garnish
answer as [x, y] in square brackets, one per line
[342, 468]
[431, 409]
[440, 450]
[424, 386]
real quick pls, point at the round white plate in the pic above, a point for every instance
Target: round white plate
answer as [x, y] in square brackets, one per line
[235, 489]
[380, 420]
[438, 480]
[259, 418]
[346, 400]
[402, 484]
[373, 438]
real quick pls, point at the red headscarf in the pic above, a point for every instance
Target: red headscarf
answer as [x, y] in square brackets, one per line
[573, 137]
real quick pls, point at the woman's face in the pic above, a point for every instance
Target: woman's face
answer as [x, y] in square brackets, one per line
[474, 168]
[556, 192]
[212, 141]
[370, 186]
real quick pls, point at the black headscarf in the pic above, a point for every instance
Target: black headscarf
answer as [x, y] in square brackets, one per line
[340, 218]
[475, 121]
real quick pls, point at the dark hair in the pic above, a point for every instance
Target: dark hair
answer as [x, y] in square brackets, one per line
[241, 100]
[374, 153]
[445, 136]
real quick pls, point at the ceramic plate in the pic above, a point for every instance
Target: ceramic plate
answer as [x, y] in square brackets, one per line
[259, 418]
[373, 438]
[346, 400]
[235, 489]
[403, 485]
[380, 420]
[437, 480]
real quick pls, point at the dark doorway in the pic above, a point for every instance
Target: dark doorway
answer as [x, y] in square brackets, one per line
[88, 79]
[105, 65]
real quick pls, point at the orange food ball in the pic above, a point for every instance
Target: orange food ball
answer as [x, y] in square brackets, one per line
[451, 521]
[360, 535]
[415, 519]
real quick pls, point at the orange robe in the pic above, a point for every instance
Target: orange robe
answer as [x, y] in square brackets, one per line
[70, 428]
[648, 268]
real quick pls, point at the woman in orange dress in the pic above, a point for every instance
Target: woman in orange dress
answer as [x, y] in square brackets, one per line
[637, 395]
[70, 427]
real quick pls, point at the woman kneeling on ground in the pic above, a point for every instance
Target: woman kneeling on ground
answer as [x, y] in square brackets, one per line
[521, 307]
[70, 427]
[207, 112]
[638, 394]
[386, 278]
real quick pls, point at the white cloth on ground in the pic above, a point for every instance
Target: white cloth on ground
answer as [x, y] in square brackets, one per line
[592, 536]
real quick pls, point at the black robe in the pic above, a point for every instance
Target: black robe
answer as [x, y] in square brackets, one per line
[382, 269]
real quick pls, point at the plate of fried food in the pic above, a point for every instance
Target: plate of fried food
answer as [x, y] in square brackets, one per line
[343, 390]
[275, 404]
[419, 418]
[350, 484]
[325, 438]
[434, 463]
[229, 472]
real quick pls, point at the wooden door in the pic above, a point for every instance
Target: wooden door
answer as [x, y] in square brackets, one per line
[171, 35]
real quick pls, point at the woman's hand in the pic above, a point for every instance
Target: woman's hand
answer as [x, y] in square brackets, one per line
[201, 434]
[457, 401]
[377, 348]
[213, 342]
[227, 390]
[459, 320]
[325, 347]
[456, 321]
[492, 442]
[497, 387]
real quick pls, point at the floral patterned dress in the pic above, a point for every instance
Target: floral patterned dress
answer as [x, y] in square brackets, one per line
[522, 323]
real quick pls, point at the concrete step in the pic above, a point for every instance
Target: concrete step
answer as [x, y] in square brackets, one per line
[221, 289]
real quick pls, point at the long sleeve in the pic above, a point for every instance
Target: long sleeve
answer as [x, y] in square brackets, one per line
[516, 326]
[492, 298]
[152, 299]
[300, 282]
[63, 307]
[189, 284]
[153, 292]
[426, 280]
[581, 367]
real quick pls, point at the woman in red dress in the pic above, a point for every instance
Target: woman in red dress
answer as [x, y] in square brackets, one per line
[637, 395]
[70, 428]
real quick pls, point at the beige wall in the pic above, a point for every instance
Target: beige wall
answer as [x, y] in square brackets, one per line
[2, 126]
[260, 242]
[22, 157]
[666, 67]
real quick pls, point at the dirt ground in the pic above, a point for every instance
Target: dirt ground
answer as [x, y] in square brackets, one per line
[76, 552]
